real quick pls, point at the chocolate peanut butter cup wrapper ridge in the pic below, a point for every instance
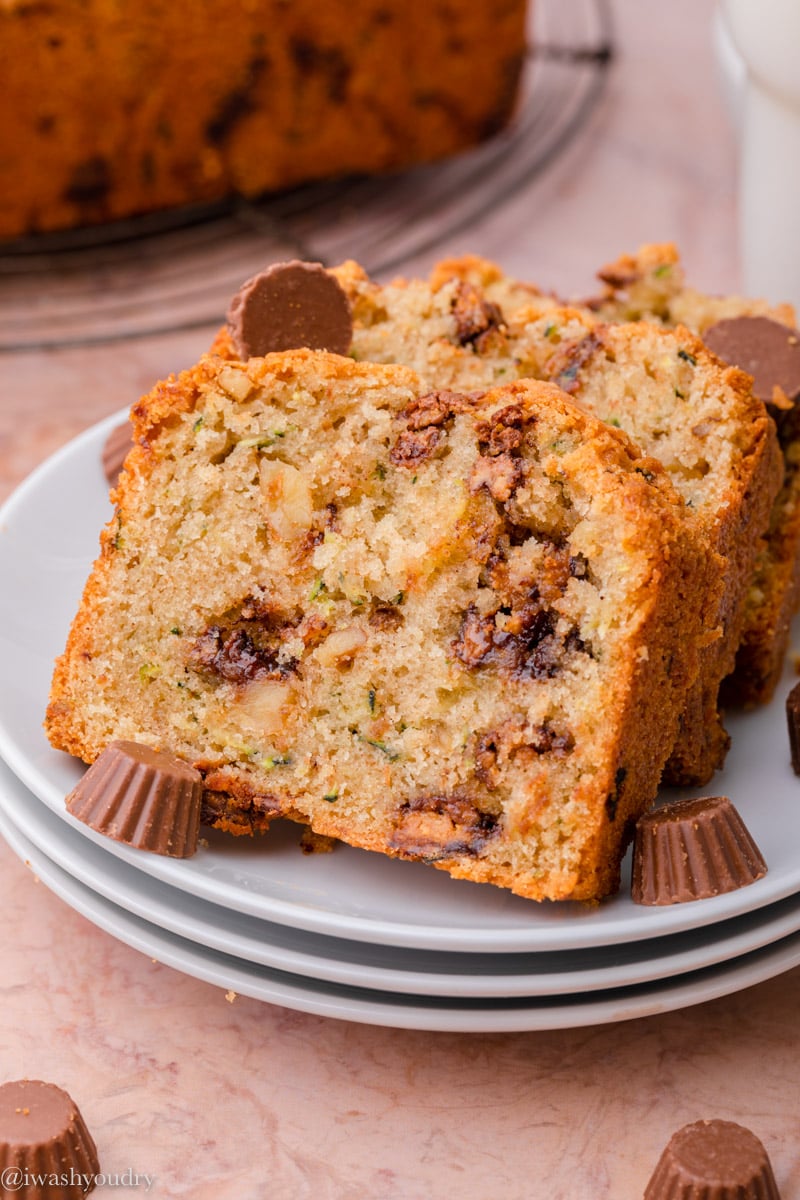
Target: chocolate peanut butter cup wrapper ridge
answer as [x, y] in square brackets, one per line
[142, 797]
[766, 349]
[291, 306]
[692, 850]
[44, 1137]
[115, 451]
[713, 1160]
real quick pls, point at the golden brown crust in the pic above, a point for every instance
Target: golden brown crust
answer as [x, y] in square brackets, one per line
[772, 601]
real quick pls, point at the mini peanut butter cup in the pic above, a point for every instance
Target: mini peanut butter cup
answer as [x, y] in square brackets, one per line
[115, 451]
[142, 797]
[766, 349]
[290, 306]
[692, 850]
[713, 1160]
[43, 1138]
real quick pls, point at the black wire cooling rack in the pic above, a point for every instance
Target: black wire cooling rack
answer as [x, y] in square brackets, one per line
[178, 270]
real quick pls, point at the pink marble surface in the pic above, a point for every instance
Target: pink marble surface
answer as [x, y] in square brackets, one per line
[213, 1098]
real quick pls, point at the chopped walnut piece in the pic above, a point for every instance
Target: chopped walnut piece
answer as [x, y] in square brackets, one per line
[341, 646]
[312, 630]
[261, 705]
[287, 500]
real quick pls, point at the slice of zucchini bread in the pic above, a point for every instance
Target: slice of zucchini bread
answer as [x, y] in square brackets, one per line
[451, 626]
[470, 327]
[651, 285]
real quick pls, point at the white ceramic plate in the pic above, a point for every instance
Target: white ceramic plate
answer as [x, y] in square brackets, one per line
[398, 1010]
[48, 539]
[384, 968]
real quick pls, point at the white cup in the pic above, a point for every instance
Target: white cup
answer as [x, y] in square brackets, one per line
[766, 34]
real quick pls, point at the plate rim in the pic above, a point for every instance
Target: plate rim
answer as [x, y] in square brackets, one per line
[80, 859]
[424, 1014]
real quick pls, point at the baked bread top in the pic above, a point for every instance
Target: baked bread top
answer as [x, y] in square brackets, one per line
[651, 285]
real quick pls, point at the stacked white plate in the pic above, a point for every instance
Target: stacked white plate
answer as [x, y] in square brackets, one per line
[352, 934]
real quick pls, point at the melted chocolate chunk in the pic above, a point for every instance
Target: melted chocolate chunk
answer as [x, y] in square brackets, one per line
[245, 643]
[475, 316]
[235, 656]
[516, 737]
[527, 647]
[386, 618]
[426, 417]
[435, 827]
[232, 804]
[565, 367]
[415, 446]
[501, 476]
[486, 750]
[475, 641]
[499, 468]
[530, 645]
[502, 432]
[434, 408]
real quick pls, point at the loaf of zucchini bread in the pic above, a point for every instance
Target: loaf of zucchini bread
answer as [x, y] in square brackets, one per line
[203, 101]
[469, 326]
[454, 625]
